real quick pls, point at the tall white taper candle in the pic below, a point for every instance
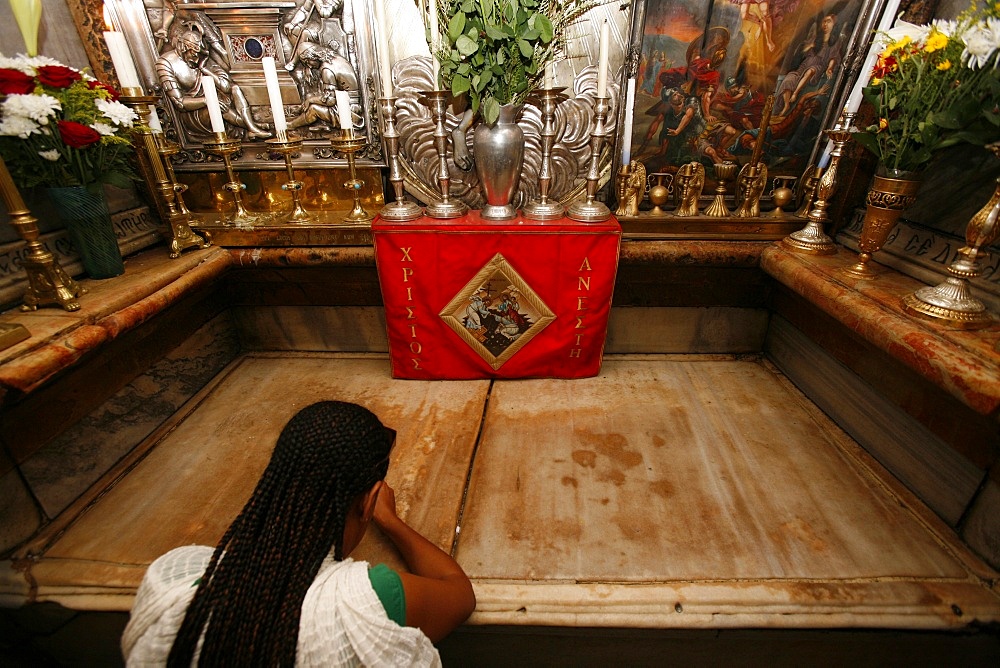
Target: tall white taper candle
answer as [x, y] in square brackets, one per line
[274, 95]
[121, 57]
[602, 61]
[212, 103]
[627, 130]
[384, 65]
[344, 110]
[435, 68]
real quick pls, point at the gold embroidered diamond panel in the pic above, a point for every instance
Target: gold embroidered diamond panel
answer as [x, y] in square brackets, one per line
[497, 313]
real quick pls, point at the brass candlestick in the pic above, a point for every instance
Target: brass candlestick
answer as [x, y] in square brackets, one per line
[753, 176]
[950, 301]
[47, 282]
[592, 211]
[444, 207]
[286, 146]
[811, 239]
[724, 172]
[809, 181]
[222, 145]
[154, 161]
[348, 143]
[402, 208]
[543, 208]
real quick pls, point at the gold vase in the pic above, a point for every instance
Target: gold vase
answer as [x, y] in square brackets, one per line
[887, 198]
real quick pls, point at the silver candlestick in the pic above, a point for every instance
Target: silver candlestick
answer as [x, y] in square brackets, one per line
[592, 211]
[811, 239]
[542, 208]
[444, 207]
[402, 208]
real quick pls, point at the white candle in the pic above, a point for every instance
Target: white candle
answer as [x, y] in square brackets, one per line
[602, 61]
[888, 18]
[154, 120]
[434, 43]
[212, 102]
[274, 95]
[344, 110]
[385, 68]
[824, 160]
[550, 75]
[121, 57]
[627, 132]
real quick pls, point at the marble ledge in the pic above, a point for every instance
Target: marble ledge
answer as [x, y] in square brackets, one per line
[964, 363]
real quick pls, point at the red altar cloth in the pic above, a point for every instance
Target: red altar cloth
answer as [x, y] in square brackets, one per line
[469, 298]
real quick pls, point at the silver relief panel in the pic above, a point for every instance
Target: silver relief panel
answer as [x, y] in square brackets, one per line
[319, 46]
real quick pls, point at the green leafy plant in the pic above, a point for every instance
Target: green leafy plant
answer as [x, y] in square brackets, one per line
[496, 51]
[60, 126]
[934, 86]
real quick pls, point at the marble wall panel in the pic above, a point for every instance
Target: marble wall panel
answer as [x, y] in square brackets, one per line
[313, 328]
[19, 516]
[982, 527]
[942, 478]
[686, 330]
[66, 466]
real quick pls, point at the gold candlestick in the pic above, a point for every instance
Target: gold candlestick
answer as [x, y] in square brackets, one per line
[348, 143]
[543, 208]
[811, 239]
[592, 211]
[286, 146]
[724, 172]
[154, 161]
[222, 145]
[445, 207]
[810, 178]
[950, 301]
[402, 208]
[47, 282]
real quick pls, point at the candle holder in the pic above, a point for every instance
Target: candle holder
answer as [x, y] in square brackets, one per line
[592, 211]
[444, 207]
[750, 187]
[724, 172]
[286, 146]
[222, 145]
[811, 239]
[349, 143]
[48, 283]
[542, 208]
[950, 301]
[154, 161]
[402, 208]
[810, 179]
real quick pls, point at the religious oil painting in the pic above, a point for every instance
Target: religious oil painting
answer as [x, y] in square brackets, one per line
[497, 312]
[708, 67]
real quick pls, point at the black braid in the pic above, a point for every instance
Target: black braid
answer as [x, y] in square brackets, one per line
[250, 598]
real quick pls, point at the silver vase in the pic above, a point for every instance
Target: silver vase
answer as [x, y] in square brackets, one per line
[499, 151]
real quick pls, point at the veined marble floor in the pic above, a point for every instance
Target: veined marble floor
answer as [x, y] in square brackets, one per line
[672, 491]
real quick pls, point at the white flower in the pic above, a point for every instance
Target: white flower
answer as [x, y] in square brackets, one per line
[52, 155]
[17, 126]
[981, 42]
[903, 29]
[38, 108]
[104, 129]
[21, 64]
[945, 27]
[117, 112]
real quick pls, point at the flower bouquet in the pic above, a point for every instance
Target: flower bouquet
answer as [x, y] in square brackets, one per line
[62, 129]
[934, 86]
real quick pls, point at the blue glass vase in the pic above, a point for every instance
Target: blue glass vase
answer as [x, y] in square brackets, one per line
[88, 220]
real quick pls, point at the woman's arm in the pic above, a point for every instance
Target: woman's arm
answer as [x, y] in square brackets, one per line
[438, 593]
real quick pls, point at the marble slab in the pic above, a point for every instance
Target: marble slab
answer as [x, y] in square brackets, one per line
[194, 481]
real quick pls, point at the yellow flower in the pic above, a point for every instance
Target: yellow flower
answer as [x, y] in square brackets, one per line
[896, 46]
[882, 124]
[935, 41]
[875, 81]
[944, 65]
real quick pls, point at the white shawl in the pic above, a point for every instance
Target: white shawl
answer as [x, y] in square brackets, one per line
[343, 622]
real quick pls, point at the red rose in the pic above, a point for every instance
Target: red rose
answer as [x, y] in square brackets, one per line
[15, 82]
[57, 76]
[94, 83]
[78, 135]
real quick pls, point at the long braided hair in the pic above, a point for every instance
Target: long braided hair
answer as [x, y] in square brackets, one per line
[249, 600]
